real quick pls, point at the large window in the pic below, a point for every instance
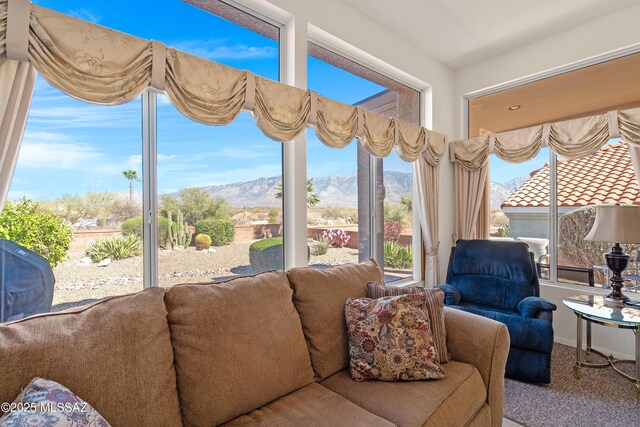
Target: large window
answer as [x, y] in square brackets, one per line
[221, 186]
[550, 201]
[520, 204]
[77, 192]
[521, 210]
[76, 182]
[99, 182]
[360, 206]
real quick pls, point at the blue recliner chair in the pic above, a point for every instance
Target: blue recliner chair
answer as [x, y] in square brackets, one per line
[498, 280]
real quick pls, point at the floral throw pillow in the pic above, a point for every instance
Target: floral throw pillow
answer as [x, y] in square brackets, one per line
[390, 339]
[433, 306]
[45, 403]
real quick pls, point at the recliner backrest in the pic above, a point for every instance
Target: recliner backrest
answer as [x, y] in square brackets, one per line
[493, 273]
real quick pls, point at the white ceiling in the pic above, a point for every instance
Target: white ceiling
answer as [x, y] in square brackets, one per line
[461, 32]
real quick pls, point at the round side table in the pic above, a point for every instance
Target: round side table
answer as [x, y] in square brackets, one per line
[594, 309]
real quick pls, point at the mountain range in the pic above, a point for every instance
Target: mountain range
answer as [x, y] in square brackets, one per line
[334, 191]
[337, 190]
[501, 191]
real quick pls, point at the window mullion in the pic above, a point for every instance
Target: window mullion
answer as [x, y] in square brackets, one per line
[553, 217]
[149, 189]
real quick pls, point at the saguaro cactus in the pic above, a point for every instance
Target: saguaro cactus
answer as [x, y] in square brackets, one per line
[171, 232]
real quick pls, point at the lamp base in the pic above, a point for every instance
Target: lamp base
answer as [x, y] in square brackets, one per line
[617, 262]
[617, 299]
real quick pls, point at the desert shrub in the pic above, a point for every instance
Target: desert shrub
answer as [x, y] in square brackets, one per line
[221, 231]
[203, 241]
[505, 230]
[321, 247]
[274, 216]
[392, 231]
[398, 213]
[397, 255]
[266, 254]
[133, 227]
[499, 218]
[114, 248]
[574, 250]
[350, 215]
[38, 230]
[336, 238]
[196, 204]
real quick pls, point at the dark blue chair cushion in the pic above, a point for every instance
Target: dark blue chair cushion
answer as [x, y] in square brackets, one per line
[493, 273]
[525, 332]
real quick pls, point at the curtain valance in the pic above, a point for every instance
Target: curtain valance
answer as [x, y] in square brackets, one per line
[571, 138]
[103, 66]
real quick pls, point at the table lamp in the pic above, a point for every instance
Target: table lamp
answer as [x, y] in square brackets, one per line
[616, 224]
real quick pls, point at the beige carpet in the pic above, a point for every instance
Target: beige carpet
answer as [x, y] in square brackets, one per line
[600, 398]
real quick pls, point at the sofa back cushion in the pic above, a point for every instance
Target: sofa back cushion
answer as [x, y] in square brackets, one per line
[238, 345]
[115, 354]
[320, 297]
[492, 273]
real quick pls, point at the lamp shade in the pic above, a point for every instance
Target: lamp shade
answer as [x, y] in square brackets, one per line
[616, 224]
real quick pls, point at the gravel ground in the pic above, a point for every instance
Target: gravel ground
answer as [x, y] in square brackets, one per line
[78, 283]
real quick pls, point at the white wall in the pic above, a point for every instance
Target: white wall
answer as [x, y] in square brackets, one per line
[608, 34]
[619, 342]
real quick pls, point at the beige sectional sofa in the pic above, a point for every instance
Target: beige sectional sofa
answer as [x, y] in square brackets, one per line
[264, 350]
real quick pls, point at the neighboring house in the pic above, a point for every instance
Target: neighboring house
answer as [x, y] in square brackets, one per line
[604, 177]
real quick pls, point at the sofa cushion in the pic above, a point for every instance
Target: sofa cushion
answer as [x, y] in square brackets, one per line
[390, 339]
[238, 345]
[452, 401]
[433, 306]
[319, 297]
[311, 405]
[115, 354]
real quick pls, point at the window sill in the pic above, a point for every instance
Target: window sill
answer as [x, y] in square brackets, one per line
[403, 283]
[578, 288]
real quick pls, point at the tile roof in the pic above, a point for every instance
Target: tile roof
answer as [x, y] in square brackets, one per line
[604, 177]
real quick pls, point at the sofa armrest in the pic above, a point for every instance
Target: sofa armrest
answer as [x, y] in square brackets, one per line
[483, 343]
[452, 295]
[536, 307]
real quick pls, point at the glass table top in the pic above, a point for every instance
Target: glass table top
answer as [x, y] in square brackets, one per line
[595, 306]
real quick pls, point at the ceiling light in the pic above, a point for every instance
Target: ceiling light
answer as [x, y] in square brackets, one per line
[514, 108]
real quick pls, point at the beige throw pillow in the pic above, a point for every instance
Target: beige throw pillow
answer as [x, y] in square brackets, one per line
[390, 339]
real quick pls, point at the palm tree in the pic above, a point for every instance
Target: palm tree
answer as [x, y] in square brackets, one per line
[312, 198]
[132, 176]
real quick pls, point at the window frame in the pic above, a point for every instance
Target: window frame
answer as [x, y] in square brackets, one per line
[553, 157]
[338, 46]
[150, 158]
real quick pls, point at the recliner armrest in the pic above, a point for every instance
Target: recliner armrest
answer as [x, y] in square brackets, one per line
[452, 295]
[536, 307]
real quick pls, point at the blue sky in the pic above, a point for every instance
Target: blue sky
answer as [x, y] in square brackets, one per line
[71, 147]
[501, 171]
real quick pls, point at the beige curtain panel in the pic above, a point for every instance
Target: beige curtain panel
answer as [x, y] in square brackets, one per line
[16, 87]
[103, 66]
[571, 138]
[428, 185]
[471, 206]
